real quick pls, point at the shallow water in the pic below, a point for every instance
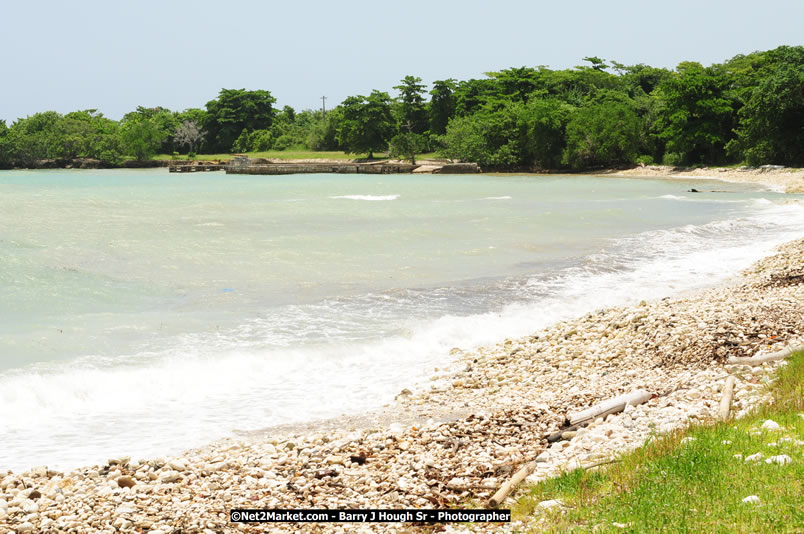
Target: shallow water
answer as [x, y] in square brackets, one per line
[142, 312]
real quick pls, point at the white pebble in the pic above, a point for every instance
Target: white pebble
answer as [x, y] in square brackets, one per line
[781, 459]
[552, 503]
[754, 457]
[751, 499]
[770, 425]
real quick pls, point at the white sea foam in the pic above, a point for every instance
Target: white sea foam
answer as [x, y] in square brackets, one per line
[498, 198]
[300, 363]
[366, 197]
[705, 198]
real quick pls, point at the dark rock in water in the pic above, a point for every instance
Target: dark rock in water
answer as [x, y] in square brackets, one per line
[693, 190]
[125, 482]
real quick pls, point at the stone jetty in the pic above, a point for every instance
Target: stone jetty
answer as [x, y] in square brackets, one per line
[246, 165]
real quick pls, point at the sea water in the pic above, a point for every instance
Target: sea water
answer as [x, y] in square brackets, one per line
[143, 313]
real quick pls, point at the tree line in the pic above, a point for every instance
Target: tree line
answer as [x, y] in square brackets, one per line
[749, 108]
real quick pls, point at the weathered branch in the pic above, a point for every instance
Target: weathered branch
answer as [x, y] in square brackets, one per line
[725, 401]
[760, 359]
[615, 405]
[506, 488]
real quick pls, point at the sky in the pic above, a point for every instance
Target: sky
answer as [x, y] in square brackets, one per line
[115, 56]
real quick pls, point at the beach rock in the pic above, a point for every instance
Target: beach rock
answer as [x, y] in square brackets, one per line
[552, 503]
[781, 459]
[335, 460]
[177, 465]
[770, 425]
[29, 507]
[40, 471]
[169, 477]
[125, 482]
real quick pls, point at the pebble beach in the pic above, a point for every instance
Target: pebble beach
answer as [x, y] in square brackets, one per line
[454, 442]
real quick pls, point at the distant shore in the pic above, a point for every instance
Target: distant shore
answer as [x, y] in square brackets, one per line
[456, 441]
[788, 180]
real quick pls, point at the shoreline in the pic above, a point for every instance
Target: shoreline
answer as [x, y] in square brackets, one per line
[458, 441]
[784, 180]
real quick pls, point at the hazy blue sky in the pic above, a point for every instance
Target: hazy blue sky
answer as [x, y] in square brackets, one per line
[114, 56]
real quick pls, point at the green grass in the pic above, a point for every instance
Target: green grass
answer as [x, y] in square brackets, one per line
[693, 486]
[291, 154]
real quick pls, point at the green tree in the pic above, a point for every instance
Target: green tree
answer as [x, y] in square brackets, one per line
[106, 144]
[235, 110]
[323, 134]
[472, 95]
[698, 114]
[596, 63]
[142, 134]
[772, 121]
[261, 140]
[516, 84]
[5, 146]
[35, 137]
[442, 105]
[490, 138]
[243, 142]
[412, 110]
[542, 124]
[75, 132]
[605, 132]
[406, 144]
[367, 124]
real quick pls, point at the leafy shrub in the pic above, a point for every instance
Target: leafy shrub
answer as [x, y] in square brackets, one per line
[284, 142]
[261, 140]
[673, 159]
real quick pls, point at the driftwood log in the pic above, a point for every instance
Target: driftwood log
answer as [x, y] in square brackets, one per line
[509, 486]
[725, 401]
[759, 359]
[615, 405]
[576, 420]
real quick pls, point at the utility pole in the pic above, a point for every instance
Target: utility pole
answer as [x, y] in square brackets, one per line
[324, 107]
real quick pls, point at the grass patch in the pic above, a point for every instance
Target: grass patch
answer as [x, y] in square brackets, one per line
[696, 485]
[273, 154]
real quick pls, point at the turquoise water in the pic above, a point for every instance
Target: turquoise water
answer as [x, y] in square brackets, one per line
[143, 312]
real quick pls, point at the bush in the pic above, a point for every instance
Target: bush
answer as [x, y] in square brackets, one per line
[261, 140]
[604, 132]
[284, 142]
[645, 160]
[673, 159]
